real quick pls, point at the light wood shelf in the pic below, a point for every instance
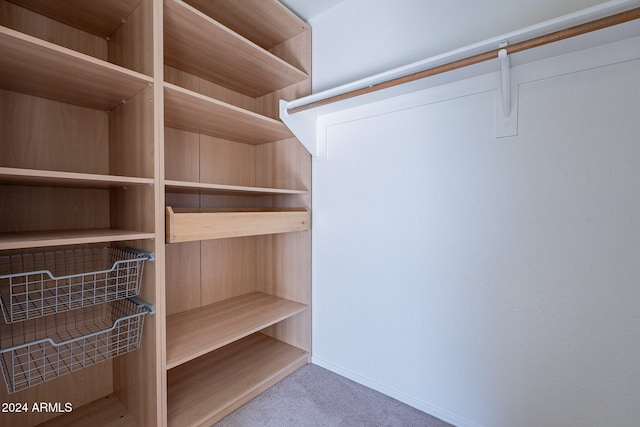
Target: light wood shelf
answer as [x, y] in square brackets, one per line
[223, 189]
[17, 176]
[193, 333]
[100, 18]
[197, 44]
[187, 225]
[267, 23]
[107, 411]
[205, 390]
[39, 239]
[37, 67]
[193, 112]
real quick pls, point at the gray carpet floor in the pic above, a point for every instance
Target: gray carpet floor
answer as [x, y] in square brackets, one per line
[315, 397]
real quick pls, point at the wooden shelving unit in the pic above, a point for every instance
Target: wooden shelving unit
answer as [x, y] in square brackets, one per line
[77, 171]
[113, 111]
[237, 188]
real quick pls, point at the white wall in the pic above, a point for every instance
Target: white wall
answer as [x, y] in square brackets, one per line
[490, 282]
[359, 38]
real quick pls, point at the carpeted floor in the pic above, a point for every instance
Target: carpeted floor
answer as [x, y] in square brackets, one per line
[314, 397]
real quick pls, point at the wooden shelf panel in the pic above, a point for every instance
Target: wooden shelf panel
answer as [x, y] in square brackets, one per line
[17, 176]
[205, 390]
[37, 67]
[197, 44]
[187, 225]
[101, 18]
[191, 111]
[39, 239]
[226, 190]
[193, 333]
[108, 411]
[267, 23]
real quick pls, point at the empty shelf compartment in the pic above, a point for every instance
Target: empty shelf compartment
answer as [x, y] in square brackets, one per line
[39, 350]
[39, 284]
[184, 225]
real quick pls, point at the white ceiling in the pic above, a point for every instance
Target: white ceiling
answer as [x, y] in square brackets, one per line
[307, 9]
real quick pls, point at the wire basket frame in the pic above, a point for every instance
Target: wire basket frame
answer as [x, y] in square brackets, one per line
[39, 284]
[46, 348]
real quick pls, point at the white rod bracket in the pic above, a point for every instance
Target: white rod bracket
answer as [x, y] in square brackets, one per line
[505, 68]
[506, 107]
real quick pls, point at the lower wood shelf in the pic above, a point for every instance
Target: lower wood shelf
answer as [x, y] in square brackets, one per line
[193, 333]
[185, 225]
[108, 411]
[207, 389]
[39, 239]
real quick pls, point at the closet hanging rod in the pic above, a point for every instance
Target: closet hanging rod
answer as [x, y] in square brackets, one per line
[577, 30]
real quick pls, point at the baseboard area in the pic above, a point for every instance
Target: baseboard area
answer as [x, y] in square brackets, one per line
[402, 397]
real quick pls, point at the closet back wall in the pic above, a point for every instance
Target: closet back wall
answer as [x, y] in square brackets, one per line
[488, 281]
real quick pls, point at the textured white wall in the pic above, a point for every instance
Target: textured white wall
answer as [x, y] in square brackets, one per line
[359, 38]
[491, 282]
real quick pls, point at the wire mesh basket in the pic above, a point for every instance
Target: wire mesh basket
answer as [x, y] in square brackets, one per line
[39, 284]
[42, 349]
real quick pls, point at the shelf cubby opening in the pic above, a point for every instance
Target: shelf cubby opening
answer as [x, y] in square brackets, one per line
[206, 389]
[226, 58]
[193, 333]
[266, 23]
[41, 216]
[112, 30]
[53, 136]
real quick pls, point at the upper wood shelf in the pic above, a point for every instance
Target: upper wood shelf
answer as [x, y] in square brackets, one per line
[191, 111]
[16, 176]
[267, 23]
[226, 190]
[197, 44]
[207, 389]
[192, 333]
[37, 67]
[39, 239]
[101, 18]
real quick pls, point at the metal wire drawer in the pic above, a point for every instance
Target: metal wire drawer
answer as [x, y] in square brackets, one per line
[39, 350]
[40, 284]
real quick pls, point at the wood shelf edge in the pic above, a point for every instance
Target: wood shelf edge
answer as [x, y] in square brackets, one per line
[18, 176]
[194, 112]
[40, 239]
[230, 189]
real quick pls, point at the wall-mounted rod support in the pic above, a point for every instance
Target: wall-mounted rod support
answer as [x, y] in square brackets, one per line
[506, 85]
